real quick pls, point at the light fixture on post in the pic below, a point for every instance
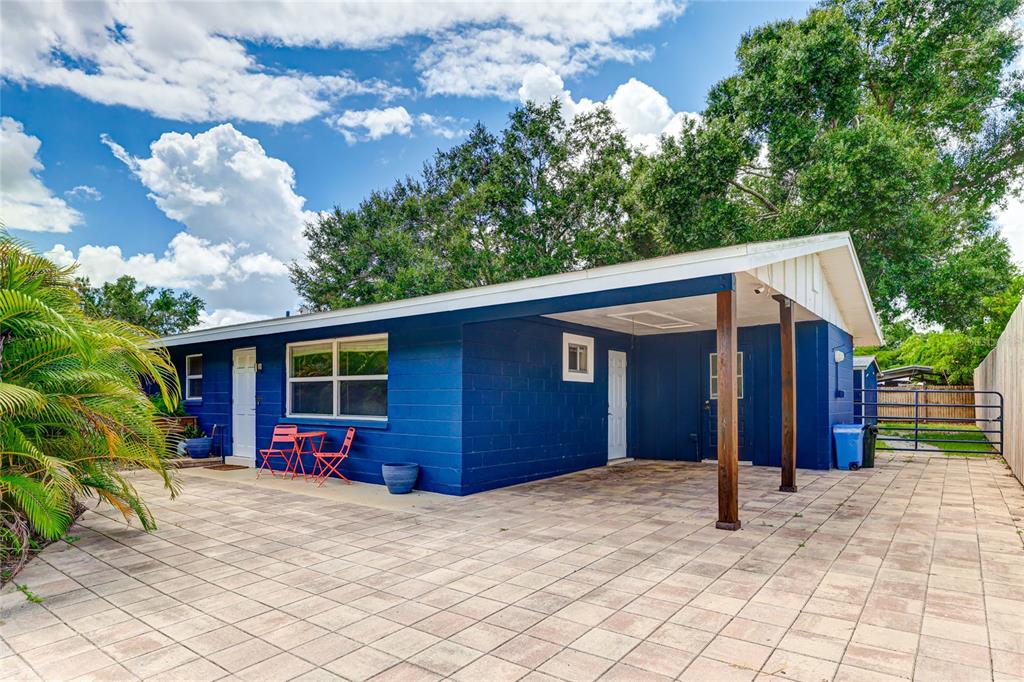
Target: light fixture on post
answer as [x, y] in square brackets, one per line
[838, 355]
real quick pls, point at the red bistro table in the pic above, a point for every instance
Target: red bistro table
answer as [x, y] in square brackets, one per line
[315, 440]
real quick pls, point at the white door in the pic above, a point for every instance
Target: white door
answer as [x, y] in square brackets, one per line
[243, 404]
[616, 404]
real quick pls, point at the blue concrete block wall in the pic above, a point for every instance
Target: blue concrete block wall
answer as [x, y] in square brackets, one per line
[215, 407]
[676, 420]
[669, 403]
[840, 403]
[672, 386]
[482, 405]
[521, 420]
[424, 400]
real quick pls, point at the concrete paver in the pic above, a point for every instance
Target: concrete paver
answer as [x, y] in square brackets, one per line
[910, 570]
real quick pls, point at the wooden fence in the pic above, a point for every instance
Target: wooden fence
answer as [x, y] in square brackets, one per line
[1003, 371]
[933, 403]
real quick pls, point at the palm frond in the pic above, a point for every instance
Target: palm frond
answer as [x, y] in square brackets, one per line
[15, 399]
[46, 510]
[73, 411]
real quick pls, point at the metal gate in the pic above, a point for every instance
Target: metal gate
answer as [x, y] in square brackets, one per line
[912, 423]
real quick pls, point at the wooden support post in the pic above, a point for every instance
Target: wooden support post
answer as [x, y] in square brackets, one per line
[787, 338]
[728, 424]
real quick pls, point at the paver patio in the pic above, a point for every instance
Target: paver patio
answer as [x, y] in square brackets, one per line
[913, 569]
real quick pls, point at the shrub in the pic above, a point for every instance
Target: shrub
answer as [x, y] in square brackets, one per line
[73, 412]
[192, 431]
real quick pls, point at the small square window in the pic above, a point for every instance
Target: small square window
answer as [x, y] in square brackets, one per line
[577, 358]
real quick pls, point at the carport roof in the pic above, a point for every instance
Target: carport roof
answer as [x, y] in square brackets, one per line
[837, 257]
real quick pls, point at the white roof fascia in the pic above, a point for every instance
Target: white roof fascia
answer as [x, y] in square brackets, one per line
[724, 260]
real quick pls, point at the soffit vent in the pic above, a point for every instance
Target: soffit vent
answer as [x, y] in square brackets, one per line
[651, 318]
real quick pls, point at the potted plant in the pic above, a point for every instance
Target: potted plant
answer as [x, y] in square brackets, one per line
[400, 477]
[175, 417]
[197, 443]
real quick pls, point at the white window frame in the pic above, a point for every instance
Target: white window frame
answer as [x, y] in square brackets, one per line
[334, 379]
[574, 375]
[713, 375]
[188, 376]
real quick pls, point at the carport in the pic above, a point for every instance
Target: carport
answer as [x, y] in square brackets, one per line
[742, 353]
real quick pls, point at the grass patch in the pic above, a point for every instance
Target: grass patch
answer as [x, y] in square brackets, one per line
[963, 442]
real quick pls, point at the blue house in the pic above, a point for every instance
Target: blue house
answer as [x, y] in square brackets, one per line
[865, 389]
[742, 353]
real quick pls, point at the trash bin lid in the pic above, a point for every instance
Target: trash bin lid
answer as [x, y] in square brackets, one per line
[847, 428]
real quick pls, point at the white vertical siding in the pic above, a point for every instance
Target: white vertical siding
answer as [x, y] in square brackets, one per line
[803, 280]
[1002, 371]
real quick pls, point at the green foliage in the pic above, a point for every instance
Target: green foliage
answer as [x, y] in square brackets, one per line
[158, 310]
[896, 120]
[192, 431]
[543, 196]
[954, 353]
[967, 441]
[175, 409]
[29, 594]
[890, 119]
[72, 410]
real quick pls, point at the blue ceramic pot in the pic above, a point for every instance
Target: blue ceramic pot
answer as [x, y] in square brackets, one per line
[198, 448]
[399, 477]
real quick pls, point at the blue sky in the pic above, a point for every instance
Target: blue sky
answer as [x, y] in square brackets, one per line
[200, 136]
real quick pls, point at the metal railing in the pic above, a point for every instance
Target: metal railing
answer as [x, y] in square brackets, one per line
[908, 433]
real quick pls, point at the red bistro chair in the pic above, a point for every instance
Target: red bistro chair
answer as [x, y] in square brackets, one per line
[327, 463]
[282, 445]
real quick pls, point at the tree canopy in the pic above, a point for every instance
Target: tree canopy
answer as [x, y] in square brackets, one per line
[896, 120]
[955, 353]
[158, 310]
[542, 196]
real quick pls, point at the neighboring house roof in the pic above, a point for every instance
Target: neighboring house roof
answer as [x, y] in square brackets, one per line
[909, 373]
[863, 361]
[849, 306]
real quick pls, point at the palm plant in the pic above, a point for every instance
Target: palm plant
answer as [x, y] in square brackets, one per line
[73, 411]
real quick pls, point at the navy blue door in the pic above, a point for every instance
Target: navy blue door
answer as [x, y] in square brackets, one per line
[709, 406]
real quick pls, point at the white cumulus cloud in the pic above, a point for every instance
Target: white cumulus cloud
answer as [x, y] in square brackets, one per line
[222, 185]
[188, 262]
[183, 61]
[244, 223]
[642, 112]
[373, 124]
[25, 202]
[85, 192]
[191, 60]
[254, 285]
[447, 127]
[226, 316]
[645, 114]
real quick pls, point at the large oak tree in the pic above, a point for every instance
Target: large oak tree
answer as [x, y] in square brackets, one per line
[896, 120]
